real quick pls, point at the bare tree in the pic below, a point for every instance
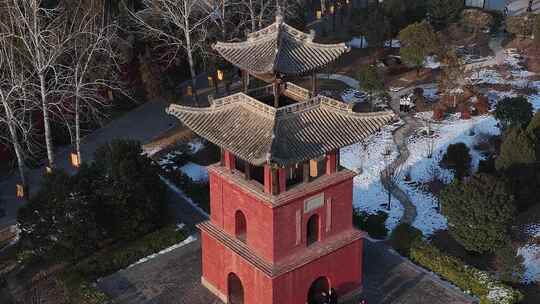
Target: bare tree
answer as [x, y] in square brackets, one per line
[176, 25]
[13, 99]
[40, 35]
[259, 13]
[391, 175]
[88, 67]
[430, 138]
[222, 14]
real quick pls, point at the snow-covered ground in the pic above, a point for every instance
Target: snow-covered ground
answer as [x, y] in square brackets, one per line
[353, 96]
[196, 172]
[431, 62]
[531, 256]
[369, 159]
[361, 42]
[422, 169]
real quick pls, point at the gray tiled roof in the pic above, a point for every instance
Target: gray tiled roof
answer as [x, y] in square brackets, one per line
[279, 48]
[259, 133]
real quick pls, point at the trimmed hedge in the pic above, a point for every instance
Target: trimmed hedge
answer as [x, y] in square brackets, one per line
[403, 237]
[469, 279]
[76, 279]
[373, 224]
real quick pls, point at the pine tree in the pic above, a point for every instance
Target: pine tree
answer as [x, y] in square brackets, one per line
[444, 12]
[518, 148]
[479, 211]
[509, 264]
[418, 41]
[458, 159]
[514, 111]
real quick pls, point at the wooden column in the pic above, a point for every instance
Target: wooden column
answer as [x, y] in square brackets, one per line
[247, 171]
[272, 180]
[305, 173]
[331, 163]
[314, 83]
[245, 81]
[229, 160]
[275, 87]
[222, 157]
[267, 179]
[275, 181]
[282, 176]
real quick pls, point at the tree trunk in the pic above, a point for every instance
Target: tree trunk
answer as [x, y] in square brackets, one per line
[16, 145]
[78, 127]
[389, 195]
[46, 122]
[191, 64]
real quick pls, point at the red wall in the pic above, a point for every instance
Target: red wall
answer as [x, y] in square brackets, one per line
[272, 234]
[227, 198]
[278, 224]
[285, 218]
[343, 268]
[219, 261]
[291, 287]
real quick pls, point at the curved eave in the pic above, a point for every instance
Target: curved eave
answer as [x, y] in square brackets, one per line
[232, 127]
[282, 49]
[280, 137]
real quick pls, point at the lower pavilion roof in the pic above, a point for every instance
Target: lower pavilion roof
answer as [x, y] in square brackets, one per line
[261, 134]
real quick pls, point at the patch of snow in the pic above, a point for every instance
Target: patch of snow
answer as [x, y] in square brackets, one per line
[196, 172]
[431, 62]
[533, 230]
[422, 169]
[188, 240]
[359, 42]
[353, 96]
[369, 159]
[393, 43]
[181, 193]
[531, 256]
[152, 150]
[535, 101]
[196, 145]
[486, 76]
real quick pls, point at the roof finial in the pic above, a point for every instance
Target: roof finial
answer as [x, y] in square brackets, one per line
[279, 13]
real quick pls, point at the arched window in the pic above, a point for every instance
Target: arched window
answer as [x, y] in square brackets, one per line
[313, 229]
[240, 229]
[235, 289]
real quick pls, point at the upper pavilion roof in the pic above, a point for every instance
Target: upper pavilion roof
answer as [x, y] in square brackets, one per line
[260, 134]
[279, 48]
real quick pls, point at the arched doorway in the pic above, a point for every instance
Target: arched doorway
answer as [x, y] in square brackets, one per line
[236, 290]
[240, 226]
[315, 294]
[312, 229]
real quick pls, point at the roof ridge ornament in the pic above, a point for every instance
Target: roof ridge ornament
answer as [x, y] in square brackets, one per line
[279, 13]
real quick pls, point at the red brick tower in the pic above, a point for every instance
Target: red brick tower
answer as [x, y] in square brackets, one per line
[281, 229]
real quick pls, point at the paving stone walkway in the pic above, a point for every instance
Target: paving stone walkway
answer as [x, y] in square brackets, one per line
[400, 139]
[174, 277]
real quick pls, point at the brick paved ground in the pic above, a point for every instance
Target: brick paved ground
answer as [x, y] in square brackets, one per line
[171, 278]
[175, 278]
[389, 278]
